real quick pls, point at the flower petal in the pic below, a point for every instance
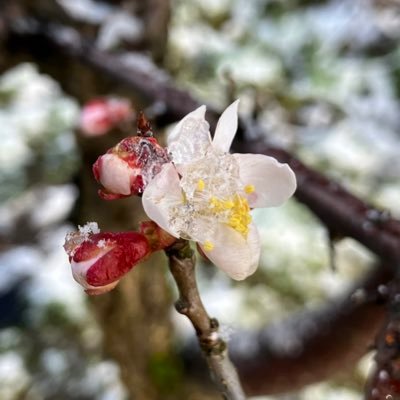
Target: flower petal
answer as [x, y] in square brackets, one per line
[115, 174]
[226, 128]
[198, 113]
[162, 193]
[235, 255]
[273, 181]
[190, 139]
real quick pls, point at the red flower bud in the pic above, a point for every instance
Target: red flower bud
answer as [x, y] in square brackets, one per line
[99, 260]
[127, 168]
[99, 116]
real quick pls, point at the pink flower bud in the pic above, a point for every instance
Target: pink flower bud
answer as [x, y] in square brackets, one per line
[99, 116]
[99, 260]
[128, 167]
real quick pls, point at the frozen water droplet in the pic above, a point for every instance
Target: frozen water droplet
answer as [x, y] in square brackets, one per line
[195, 218]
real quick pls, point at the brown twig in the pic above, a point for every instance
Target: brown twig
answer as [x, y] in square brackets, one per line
[182, 265]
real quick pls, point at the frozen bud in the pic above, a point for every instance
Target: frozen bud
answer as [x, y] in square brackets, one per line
[99, 116]
[128, 167]
[99, 260]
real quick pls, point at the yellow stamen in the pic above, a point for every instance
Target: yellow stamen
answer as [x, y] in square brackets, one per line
[237, 212]
[249, 189]
[200, 185]
[240, 217]
[208, 246]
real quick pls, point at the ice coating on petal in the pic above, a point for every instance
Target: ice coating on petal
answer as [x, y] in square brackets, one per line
[220, 173]
[145, 158]
[207, 204]
[198, 113]
[226, 128]
[190, 140]
[273, 181]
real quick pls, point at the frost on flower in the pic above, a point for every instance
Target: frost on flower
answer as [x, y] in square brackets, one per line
[127, 168]
[88, 228]
[206, 194]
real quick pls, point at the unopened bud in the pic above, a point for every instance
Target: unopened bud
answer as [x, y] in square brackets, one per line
[128, 167]
[99, 260]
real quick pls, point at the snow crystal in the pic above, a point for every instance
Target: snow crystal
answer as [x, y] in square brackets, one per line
[88, 229]
[101, 244]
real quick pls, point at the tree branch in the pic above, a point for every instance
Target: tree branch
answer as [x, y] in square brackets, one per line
[182, 265]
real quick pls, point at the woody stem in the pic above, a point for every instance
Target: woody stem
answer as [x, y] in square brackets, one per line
[182, 266]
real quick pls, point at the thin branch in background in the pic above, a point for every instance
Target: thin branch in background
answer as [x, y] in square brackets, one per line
[182, 265]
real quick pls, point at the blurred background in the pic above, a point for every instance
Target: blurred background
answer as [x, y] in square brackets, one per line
[322, 79]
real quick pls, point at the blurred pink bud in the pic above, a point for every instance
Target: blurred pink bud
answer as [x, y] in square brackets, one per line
[99, 116]
[128, 167]
[99, 260]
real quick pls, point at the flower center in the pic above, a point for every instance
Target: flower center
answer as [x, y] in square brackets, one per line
[212, 194]
[235, 210]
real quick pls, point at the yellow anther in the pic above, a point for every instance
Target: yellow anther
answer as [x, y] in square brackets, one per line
[228, 204]
[208, 246]
[200, 185]
[235, 209]
[240, 217]
[249, 189]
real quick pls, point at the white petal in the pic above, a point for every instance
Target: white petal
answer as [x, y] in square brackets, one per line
[116, 174]
[273, 182]
[226, 128]
[190, 139]
[79, 269]
[162, 193]
[236, 256]
[198, 113]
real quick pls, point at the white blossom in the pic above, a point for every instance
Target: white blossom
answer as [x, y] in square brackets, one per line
[206, 194]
